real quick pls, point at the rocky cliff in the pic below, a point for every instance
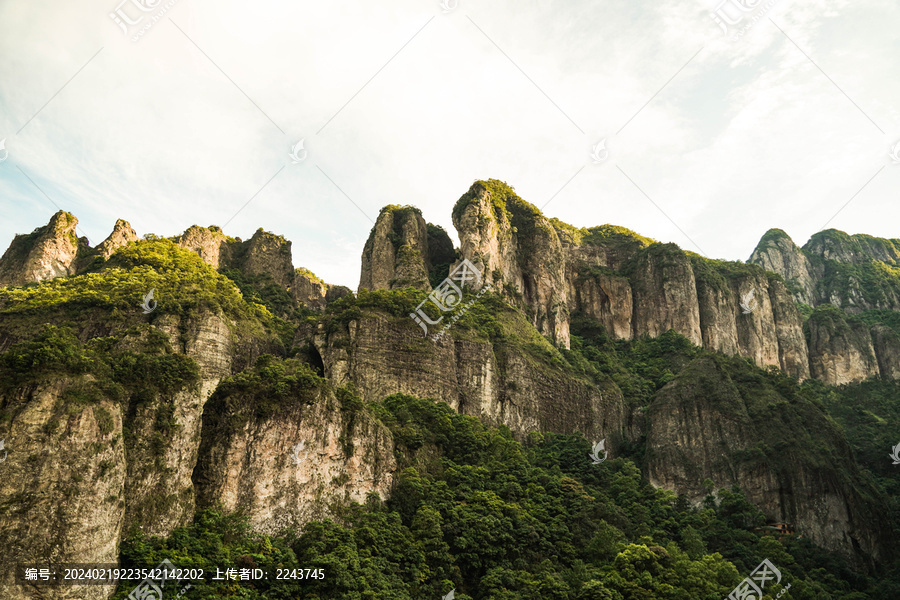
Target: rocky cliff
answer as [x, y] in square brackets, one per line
[47, 252]
[860, 275]
[632, 285]
[505, 375]
[289, 458]
[404, 251]
[704, 431]
[250, 383]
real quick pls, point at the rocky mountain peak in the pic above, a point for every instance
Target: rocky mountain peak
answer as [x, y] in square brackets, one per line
[121, 235]
[858, 249]
[47, 252]
[208, 242]
[778, 253]
[403, 250]
[266, 254]
[518, 250]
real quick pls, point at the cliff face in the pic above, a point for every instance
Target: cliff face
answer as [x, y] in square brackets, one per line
[841, 349]
[702, 426]
[288, 466]
[631, 285]
[665, 294]
[404, 251]
[62, 482]
[859, 275]
[516, 249]
[504, 384]
[777, 252]
[47, 252]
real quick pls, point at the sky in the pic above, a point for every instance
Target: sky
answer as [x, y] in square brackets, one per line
[647, 115]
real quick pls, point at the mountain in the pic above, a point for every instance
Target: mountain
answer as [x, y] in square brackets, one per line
[250, 386]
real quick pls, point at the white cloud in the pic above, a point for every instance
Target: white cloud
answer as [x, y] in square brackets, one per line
[749, 135]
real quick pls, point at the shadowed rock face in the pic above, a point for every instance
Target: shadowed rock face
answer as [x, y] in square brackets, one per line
[397, 253]
[47, 252]
[702, 426]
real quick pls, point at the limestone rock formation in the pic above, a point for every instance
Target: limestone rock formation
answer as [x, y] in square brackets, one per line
[605, 296]
[505, 384]
[396, 254]
[63, 478]
[517, 250]
[47, 252]
[840, 347]
[265, 255]
[633, 286]
[665, 293]
[208, 242]
[701, 426]
[121, 235]
[287, 468]
[309, 289]
[777, 252]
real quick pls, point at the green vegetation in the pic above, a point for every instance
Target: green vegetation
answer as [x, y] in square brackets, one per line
[475, 511]
[720, 274]
[603, 235]
[146, 371]
[875, 283]
[262, 390]
[183, 283]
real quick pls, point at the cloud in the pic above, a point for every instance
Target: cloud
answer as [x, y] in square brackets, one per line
[402, 104]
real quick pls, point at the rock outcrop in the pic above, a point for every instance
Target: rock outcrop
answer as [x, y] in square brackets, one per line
[47, 252]
[288, 467]
[396, 255]
[840, 347]
[633, 286]
[506, 384]
[701, 426]
[857, 274]
[517, 250]
[61, 485]
[777, 252]
[309, 290]
[208, 242]
[121, 235]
